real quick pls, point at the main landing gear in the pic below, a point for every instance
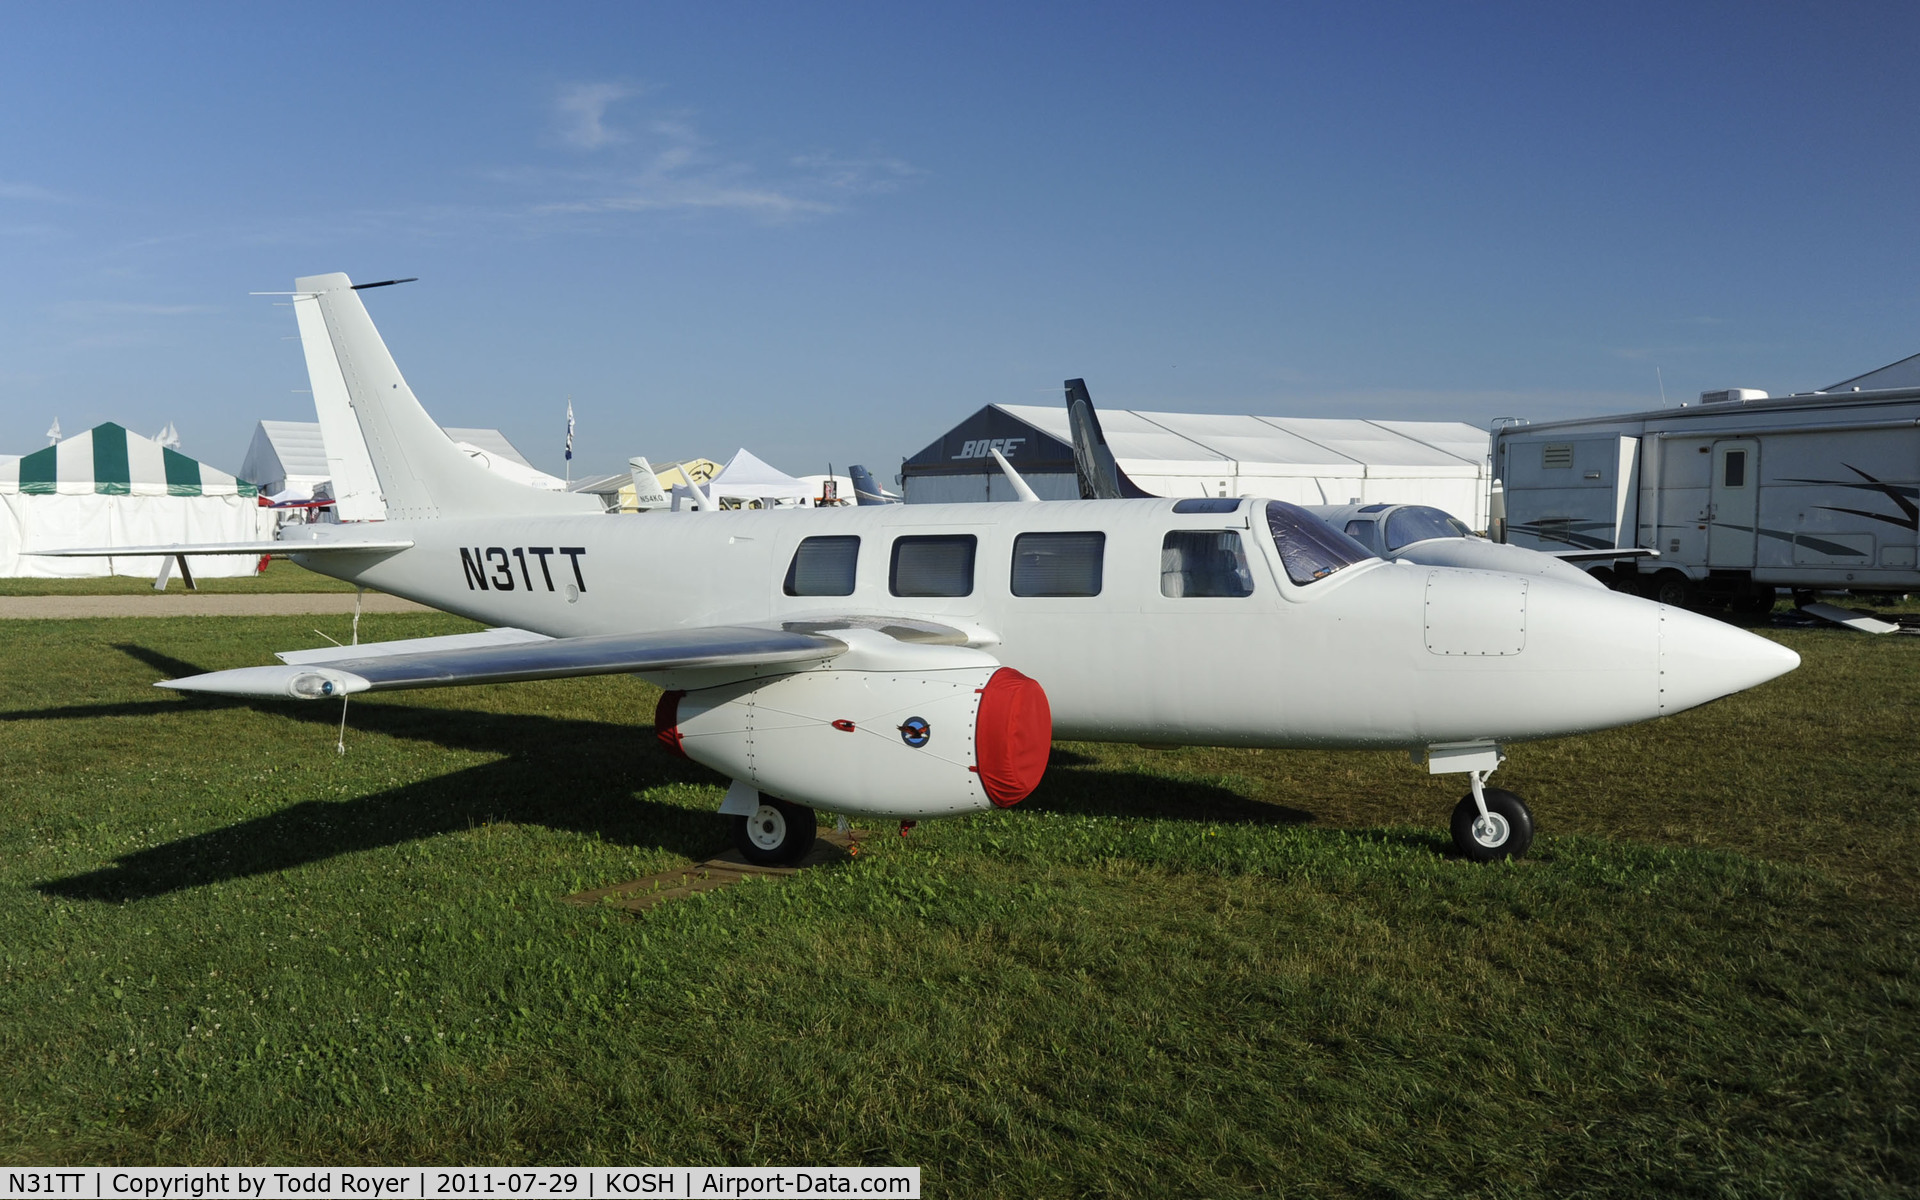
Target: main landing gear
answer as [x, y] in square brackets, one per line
[777, 834]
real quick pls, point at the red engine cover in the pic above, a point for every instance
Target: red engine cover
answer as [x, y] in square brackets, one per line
[1013, 735]
[666, 722]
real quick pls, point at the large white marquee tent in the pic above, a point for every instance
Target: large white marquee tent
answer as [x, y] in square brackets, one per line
[1308, 460]
[109, 487]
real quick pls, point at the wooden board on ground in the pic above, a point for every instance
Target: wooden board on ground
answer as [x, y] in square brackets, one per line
[722, 870]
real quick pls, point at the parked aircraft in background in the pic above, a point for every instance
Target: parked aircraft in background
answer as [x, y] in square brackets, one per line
[1416, 533]
[911, 661]
[865, 490]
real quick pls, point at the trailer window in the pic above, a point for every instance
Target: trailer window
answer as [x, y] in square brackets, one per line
[1204, 562]
[1309, 547]
[1058, 564]
[933, 566]
[1736, 470]
[1417, 523]
[823, 566]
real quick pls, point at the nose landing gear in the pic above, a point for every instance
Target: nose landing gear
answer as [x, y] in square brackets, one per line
[1490, 823]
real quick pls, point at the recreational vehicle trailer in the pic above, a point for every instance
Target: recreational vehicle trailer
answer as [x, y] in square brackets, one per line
[1737, 495]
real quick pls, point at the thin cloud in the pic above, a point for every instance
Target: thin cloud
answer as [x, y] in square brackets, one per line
[880, 173]
[97, 310]
[30, 191]
[582, 112]
[673, 167]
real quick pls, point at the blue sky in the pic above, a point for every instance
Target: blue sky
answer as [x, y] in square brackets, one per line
[828, 232]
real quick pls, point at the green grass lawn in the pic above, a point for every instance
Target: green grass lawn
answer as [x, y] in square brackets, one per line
[1195, 972]
[280, 576]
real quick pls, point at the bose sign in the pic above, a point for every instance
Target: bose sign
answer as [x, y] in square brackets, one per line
[985, 447]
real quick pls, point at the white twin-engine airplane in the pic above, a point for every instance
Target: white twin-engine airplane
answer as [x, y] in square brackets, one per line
[913, 661]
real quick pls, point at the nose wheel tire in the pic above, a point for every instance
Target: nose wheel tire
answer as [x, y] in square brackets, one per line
[778, 835]
[1506, 831]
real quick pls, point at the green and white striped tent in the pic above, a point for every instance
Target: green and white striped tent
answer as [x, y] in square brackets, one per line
[109, 461]
[108, 487]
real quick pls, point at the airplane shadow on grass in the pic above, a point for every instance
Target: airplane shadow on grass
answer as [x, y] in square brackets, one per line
[569, 775]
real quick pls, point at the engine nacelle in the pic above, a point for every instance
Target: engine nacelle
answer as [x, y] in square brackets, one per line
[904, 744]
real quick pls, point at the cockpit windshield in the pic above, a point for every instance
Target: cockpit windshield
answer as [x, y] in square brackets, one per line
[1309, 547]
[1417, 522]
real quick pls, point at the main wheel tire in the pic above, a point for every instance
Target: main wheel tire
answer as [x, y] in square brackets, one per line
[1672, 589]
[778, 835]
[1756, 601]
[1505, 832]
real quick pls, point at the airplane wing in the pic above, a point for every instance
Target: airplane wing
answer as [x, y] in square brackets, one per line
[261, 547]
[1581, 554]
[477, 658]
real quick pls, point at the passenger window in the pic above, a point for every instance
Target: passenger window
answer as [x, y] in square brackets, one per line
[1058, 564]
[941, 565]
[1204, 562]
[1360, 531]
[1736, 468]
[823, 566]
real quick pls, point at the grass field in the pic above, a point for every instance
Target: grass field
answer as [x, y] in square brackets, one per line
[280, 576]
[1195, 972]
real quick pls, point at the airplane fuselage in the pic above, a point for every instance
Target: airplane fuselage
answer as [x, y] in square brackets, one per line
[1378, 654]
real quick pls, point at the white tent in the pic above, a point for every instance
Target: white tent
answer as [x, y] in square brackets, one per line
[286, 457]
[746, 478]
[108, 487]
[1308, 460]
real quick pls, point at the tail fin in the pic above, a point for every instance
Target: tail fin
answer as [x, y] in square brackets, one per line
[865, 490]
[647, 492]
[421, 473]
[1100, 476]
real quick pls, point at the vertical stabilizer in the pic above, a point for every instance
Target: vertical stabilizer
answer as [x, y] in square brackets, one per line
[647, 492]
[865, 490]
[356, 490]
[1100, 476]
[421, 473]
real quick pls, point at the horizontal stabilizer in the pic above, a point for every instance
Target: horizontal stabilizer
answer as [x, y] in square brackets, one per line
[265, 547]
[510, 662]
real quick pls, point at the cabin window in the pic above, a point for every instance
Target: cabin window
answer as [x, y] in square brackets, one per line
[823, 566]
[1418, 522]
[1559, 454]
[941, 565]
[1208, 504]
[1204, 562]
[1736, 469]
[1058, 564]
[1310, 548]
[1360, 531]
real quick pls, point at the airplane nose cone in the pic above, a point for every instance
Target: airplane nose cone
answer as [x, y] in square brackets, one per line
[1703, 659]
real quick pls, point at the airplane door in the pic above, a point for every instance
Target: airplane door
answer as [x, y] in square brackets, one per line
[1734, 507]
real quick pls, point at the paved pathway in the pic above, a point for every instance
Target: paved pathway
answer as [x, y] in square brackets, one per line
[183, 604]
